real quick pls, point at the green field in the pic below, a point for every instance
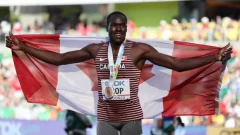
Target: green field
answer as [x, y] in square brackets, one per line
[149, 14]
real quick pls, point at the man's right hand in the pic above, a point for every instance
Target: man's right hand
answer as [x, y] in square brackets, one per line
[13, 43]
[52, 57]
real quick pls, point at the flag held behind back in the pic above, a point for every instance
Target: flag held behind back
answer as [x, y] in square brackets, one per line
[162, 92]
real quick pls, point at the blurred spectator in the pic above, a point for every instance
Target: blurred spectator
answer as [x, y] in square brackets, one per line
[82, 28]
[76, 123]
[178, 122]
[178, 126]
[231, 121]
[165, 32]
[17, 28]
[220, 29]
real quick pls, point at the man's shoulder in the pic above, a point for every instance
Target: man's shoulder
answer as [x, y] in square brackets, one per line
[140, 45]
[94, 48]
[95, 44]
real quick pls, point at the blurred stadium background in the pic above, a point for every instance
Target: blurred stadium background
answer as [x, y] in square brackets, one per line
[212, 22]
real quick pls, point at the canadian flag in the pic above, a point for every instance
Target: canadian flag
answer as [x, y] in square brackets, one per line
[162, 92]
[124, 58]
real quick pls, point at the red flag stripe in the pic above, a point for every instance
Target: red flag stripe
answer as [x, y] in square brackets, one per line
[39, 36]
[189, 89]
[42, 74]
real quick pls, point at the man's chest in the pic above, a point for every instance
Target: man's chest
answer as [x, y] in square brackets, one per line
[103, 62]
[131, 56]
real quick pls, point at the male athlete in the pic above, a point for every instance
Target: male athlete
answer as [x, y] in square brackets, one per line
[119, 114]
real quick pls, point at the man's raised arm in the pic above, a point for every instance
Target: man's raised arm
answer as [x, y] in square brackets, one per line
[185, 64]
[49, 56]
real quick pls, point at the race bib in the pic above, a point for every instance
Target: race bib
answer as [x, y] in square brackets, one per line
[121, 89]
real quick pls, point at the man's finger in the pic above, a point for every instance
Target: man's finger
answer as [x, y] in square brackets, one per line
[13, 37]
[226, 50]
[227, 53]
[8, 38]
[229, 49]
[227, 45]
[8, 42]
[226, 58]
[9, 45]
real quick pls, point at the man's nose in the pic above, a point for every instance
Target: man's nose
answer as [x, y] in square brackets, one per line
[118, 27]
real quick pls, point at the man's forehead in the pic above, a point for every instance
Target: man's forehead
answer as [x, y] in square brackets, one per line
[118, 19]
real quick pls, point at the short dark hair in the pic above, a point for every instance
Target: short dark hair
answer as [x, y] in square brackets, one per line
[113, 14]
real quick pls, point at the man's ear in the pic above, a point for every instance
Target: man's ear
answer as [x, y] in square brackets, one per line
[107, 27]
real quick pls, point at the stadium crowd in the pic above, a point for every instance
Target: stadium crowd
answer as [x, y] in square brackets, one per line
[13, 104]
[219, 29]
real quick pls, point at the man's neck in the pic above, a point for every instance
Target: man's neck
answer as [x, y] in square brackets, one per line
[115, 46]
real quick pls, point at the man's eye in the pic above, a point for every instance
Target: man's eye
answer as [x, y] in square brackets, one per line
[118, 25]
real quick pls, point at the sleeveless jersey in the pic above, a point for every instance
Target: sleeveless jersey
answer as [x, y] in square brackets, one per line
[118, 110]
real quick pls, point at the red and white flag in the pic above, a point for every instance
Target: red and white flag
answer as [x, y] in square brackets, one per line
[162, 92]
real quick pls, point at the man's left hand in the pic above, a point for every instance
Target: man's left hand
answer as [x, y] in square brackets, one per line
[224, 54]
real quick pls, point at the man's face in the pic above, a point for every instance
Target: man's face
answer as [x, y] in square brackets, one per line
[117, 29]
